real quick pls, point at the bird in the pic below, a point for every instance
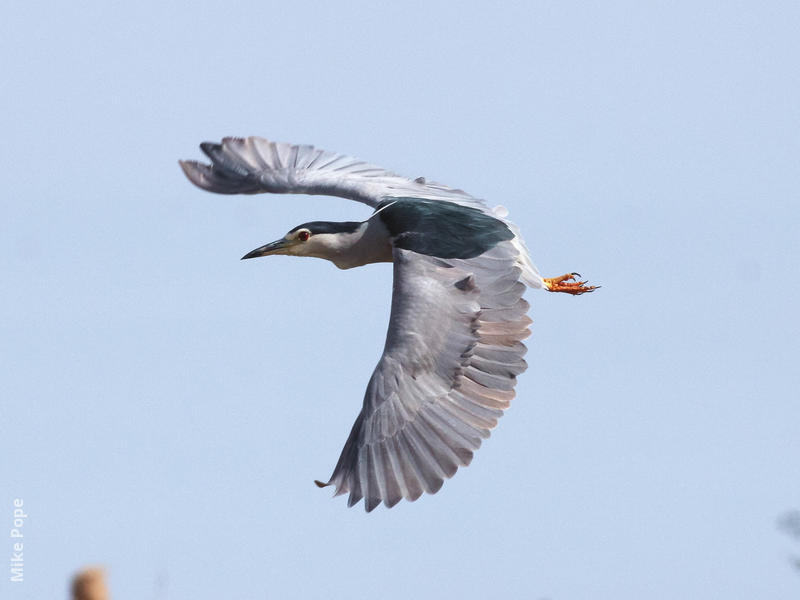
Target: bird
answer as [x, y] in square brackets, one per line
[453, 348]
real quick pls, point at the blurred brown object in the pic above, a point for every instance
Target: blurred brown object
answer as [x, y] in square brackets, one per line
[790, 523]
[90, 584]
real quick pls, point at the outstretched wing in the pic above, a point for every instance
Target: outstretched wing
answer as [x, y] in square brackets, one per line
[448, 371]
[255, 165]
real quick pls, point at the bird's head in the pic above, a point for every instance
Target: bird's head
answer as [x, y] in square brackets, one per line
[321, 239]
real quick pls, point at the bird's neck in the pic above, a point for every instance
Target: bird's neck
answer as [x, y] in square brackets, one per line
[370, 243]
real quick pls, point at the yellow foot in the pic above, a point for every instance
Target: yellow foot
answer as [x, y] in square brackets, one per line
[569, 285]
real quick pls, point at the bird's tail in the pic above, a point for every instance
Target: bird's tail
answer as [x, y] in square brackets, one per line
[530, 274]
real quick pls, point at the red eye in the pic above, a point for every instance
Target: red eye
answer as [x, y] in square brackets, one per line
[303, 236]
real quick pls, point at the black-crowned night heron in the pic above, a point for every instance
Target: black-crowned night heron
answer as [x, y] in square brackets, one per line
[454, 346]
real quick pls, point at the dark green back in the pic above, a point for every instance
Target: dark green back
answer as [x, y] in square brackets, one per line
[441, 229]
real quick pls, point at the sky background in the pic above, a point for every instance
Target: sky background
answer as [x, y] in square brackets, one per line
[166, 407]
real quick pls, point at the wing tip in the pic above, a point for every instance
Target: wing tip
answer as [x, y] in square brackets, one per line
[209, 148]
[371, 503]
[208, 177]
[196, 172]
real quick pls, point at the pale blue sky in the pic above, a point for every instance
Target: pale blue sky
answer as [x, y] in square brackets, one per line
[165, 407]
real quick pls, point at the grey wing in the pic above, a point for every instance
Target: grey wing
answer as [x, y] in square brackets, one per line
[255, 165]
[448, 371]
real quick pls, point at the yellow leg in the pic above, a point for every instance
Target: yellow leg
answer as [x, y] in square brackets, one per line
[568, 284]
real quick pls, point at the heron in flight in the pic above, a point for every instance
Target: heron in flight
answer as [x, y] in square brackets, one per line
[454, 345]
